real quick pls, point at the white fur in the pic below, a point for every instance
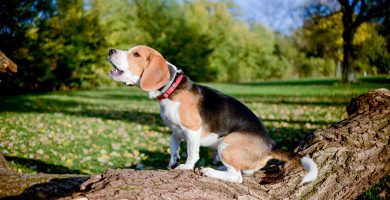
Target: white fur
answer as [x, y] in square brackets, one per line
[169, 111]
[211, 140]
[119, 59]
[312, 169]
[193, 145]
[153, 94]
[249, 171]
[231, 174]
[174, 145]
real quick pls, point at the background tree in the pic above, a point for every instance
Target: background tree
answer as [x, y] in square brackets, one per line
[355, 13]
[326, 34]
[322, 38]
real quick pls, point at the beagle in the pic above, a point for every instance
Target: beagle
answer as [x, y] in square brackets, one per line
[202, 116]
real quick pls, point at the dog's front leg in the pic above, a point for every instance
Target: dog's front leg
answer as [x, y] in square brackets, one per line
[174, 145]
[193, 145]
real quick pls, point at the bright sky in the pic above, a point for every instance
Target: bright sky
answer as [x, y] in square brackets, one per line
[279, 15]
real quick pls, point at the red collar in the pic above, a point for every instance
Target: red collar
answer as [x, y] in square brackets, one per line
[171, 89]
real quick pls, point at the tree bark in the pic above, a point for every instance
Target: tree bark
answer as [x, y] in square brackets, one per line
[352, 155]
[4, 163]
[348, 72]
[6, 65]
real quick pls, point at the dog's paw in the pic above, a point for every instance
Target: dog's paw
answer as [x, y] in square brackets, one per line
[207, 171]
[173, 165]
[185, 167]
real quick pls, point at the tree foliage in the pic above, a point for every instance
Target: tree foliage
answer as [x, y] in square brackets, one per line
[322, 38]
[61, 45]
[56, 44]
[366, 10]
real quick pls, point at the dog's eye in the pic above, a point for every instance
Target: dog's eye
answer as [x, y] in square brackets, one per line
[136, 54]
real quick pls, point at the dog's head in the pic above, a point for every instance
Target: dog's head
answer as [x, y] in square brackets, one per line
[141, 66]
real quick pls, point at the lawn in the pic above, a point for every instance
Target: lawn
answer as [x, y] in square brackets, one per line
[90, 131]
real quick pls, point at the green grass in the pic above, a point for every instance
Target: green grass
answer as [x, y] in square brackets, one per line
[91, 131]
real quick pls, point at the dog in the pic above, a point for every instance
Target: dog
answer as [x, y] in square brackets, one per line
[202, 116]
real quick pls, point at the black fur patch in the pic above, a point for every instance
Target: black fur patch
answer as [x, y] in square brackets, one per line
[222, 114]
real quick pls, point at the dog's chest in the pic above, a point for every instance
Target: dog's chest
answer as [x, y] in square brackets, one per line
[169, 111]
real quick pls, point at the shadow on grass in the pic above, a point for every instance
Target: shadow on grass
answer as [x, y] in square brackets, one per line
[323, 100]
[294, 82]
[288, 138]
[52, 189]
[160, 160]
[302, 122]
[102, 96]
[328, 81]
[278, 100]
[77, 108]
[40, 166]
[155, 160]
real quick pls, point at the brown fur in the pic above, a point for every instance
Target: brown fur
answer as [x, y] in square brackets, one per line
[245, 151]
[188, 111]
[150, 65]
[287, 157]
[155, 75]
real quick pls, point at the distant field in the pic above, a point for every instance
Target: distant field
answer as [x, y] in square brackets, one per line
[90, 131]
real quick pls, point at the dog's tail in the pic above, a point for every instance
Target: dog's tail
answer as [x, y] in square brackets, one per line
[301, 162]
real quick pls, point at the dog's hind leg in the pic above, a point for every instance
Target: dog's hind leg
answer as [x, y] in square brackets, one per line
[232, 173]
[240, 152]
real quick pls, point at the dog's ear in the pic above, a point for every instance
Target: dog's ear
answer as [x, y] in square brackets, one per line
[155, 74]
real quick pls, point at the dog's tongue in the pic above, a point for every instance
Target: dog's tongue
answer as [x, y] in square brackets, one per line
[116, 72]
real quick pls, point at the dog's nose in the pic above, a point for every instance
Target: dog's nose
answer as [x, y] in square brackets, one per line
[111, 51]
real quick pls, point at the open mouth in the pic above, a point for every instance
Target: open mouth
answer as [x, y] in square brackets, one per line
[115, 71]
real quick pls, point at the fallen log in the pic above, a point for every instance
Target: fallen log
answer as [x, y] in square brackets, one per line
[352, 155]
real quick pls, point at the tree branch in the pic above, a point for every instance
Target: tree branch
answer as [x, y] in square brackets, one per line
[371, 13]
[361, 17]
[4, 163]
[6, 64]
[355, 2]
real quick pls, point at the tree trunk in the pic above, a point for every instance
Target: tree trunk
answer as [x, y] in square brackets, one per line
[348, 75]
[352, 155]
